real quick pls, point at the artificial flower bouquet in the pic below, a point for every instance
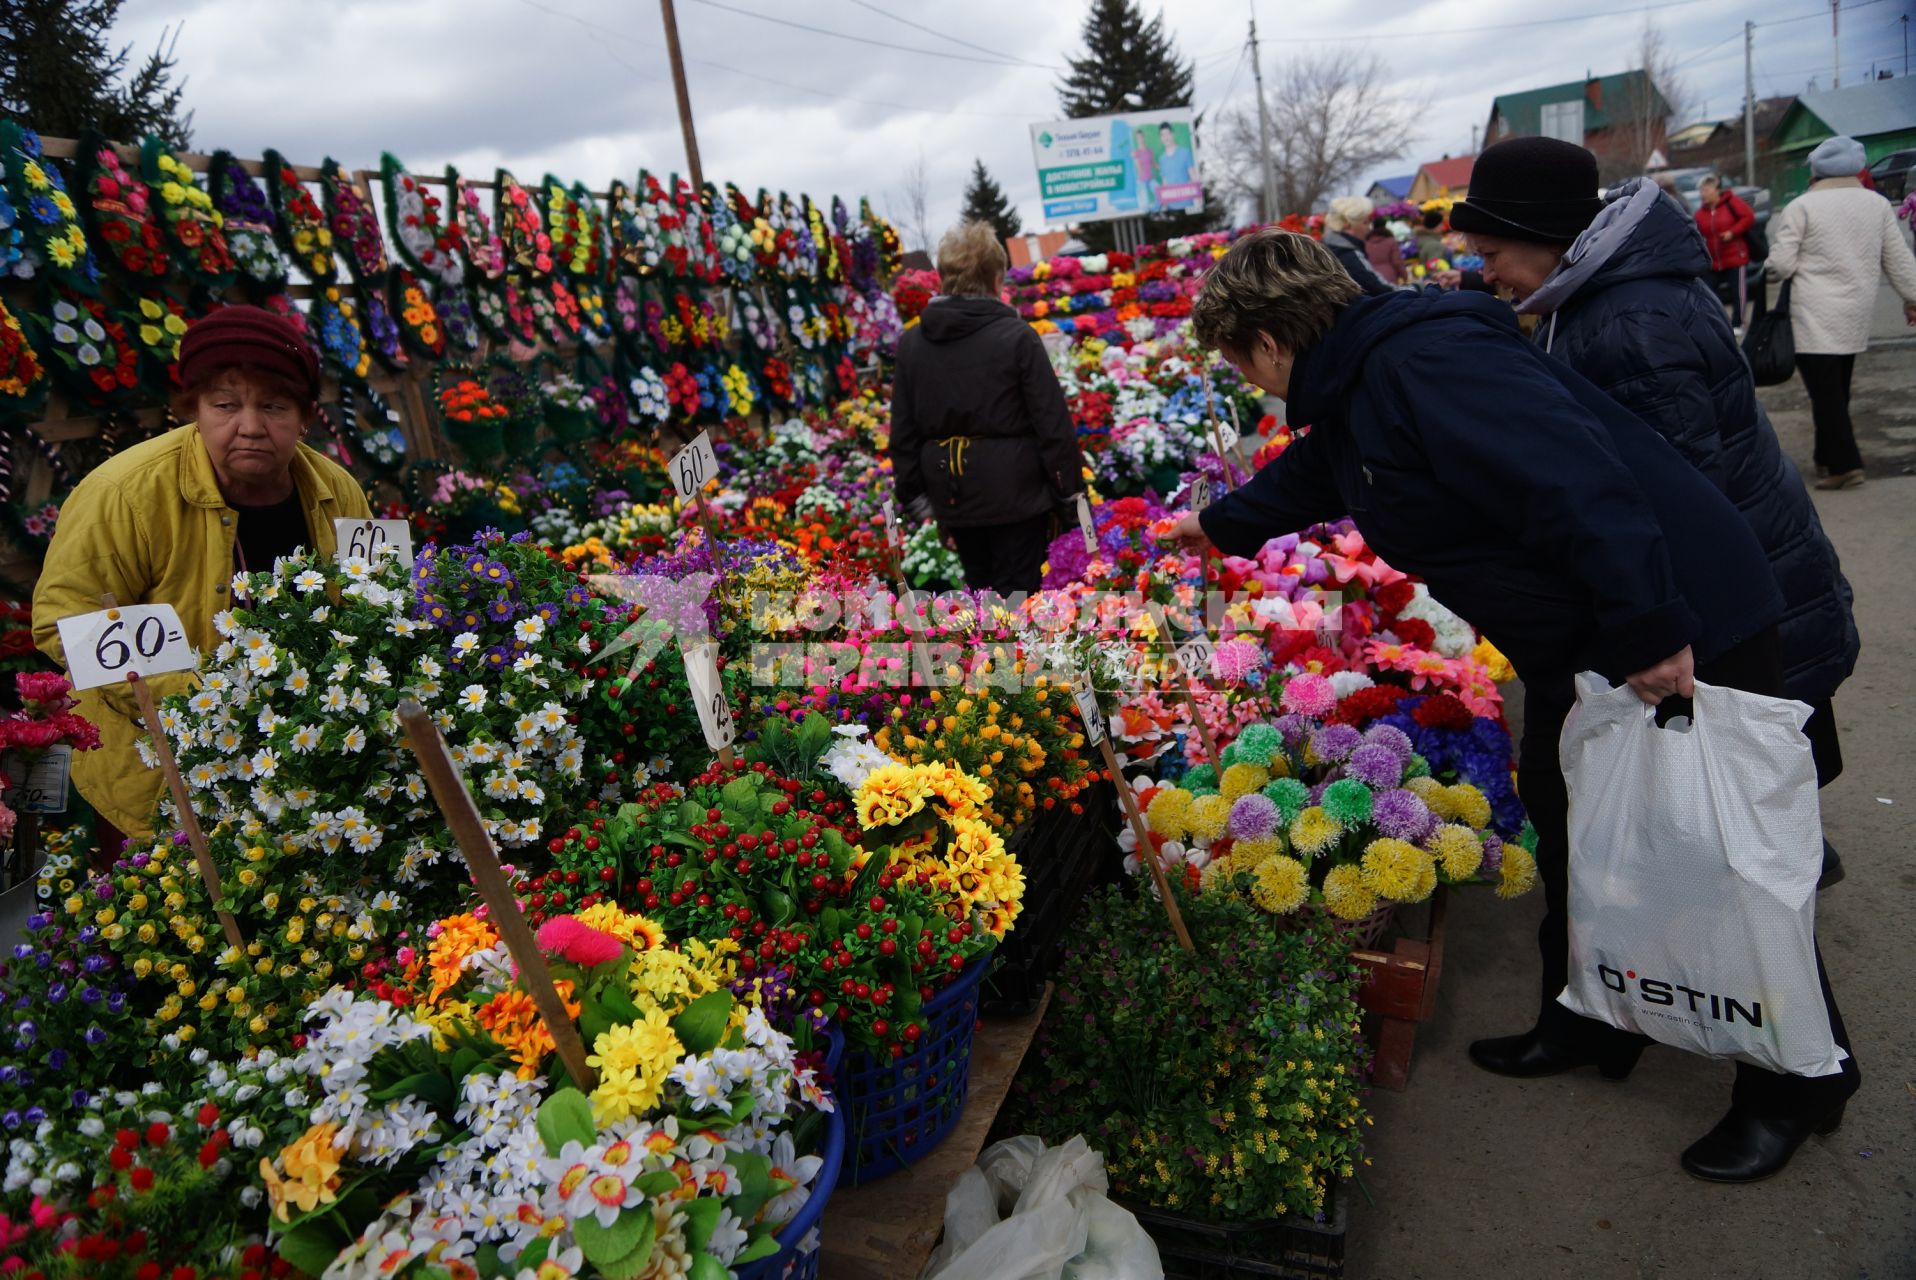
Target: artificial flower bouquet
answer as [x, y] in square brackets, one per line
[695, 1144]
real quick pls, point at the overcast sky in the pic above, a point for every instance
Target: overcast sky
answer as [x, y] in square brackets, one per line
[581, 87]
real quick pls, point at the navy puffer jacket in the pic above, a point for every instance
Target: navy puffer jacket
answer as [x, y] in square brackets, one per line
[1627, 310]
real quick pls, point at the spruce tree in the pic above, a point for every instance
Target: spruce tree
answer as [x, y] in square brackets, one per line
[59, 76]
[985, 202]
[1130, 64]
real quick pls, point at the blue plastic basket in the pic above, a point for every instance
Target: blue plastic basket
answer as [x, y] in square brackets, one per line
[790, 1262]
[902, 1108]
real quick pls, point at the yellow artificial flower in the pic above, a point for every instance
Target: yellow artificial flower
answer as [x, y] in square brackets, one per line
[1518, 873]
[312, 1172]
[1346, 893]
[1458, 848]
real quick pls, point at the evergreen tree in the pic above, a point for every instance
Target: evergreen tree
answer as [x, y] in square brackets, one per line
[59, 76]
[1130, 64]
[985, 201]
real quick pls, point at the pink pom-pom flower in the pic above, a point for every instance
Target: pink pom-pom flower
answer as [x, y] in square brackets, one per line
[571, 939]
[1309, 694]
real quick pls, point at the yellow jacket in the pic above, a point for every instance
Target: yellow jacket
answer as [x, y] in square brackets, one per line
[149, 526]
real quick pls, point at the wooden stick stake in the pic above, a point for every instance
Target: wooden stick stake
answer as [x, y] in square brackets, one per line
[1147, 853]
[462, 815]
[189, 821]
[1210, 415]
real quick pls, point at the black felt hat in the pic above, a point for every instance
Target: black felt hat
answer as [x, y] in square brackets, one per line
[1537, 189]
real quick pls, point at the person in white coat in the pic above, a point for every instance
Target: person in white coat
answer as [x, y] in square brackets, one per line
[1832, 244]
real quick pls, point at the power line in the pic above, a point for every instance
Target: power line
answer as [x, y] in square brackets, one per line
[919, 26]
[1500, 26]
[1823, 13]
[882, 44]
[1230, 84]
[915, 108]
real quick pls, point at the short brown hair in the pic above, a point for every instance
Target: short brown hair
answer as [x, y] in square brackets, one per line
[185, 402]
[1275, 282]
[972, 261]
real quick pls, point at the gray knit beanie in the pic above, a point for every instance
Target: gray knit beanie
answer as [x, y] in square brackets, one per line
[1837, 157]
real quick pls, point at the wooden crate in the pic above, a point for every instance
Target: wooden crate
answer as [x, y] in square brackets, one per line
[1402, 992]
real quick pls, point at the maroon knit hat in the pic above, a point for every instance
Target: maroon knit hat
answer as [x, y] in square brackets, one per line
[242, 335]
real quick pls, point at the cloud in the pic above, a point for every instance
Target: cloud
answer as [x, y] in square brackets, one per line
[581, 87]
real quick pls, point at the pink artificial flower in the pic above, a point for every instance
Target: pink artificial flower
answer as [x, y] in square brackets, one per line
[571, 939]
[1310, 695]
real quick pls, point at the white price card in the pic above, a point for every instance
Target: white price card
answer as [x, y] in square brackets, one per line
[1227, 434]
[1200, 493]
[694, 466]
[369, 540]
[142, 639]
[39, 785]
[1194, 655]
[1088, 711]
[892, 533]
[1087, 526]
[708, 694]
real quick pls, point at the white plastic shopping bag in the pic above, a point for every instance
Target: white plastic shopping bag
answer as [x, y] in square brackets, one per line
[1694, 853]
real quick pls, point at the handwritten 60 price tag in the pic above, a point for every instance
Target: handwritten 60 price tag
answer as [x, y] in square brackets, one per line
[708, 693]
[892, 535]
[693, 466]
[144, 639]
[370, 539]
[1087, 526]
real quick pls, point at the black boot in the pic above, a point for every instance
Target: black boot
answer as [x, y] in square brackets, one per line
[1833, 872]
[1747, 1146]
[1530, 1055]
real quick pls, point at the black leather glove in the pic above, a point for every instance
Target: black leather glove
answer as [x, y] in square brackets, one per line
[918, 510]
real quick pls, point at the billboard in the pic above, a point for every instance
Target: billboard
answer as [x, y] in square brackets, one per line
[1124, 166]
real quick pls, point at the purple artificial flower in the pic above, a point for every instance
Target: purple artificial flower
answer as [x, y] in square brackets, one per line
[1295, 729]
[1402, 815]
[80, 1098]
[95, 1035]
[1375, 765]
[116, 1002]
[1389, 735]
[1493, 854]
[1334, 742]
[89, 995]
[1252, 816]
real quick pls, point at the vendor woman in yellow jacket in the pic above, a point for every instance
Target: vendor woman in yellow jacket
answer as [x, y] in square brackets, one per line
[172, 520]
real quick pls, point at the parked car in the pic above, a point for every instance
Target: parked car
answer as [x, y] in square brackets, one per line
[1891, 174]
[1687, 180]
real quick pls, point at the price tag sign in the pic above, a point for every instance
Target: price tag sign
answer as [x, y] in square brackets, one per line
[892, 533]
[144, 639]
[39, 785]
[1228, 434]
[1194, 655]
[694, 466]
[1088, 711]
[708, 693]
[371, 539]
[1087, 526]
[1200, 493]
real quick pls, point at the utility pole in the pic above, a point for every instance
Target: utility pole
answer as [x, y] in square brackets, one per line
[685, 97]
[1905, 44]
[1263, 123]
[1836, 46]
[1473, 139]
[1749, 102]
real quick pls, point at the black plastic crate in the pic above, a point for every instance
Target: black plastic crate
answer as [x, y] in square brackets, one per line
[1063, 855]
[1294, 1248]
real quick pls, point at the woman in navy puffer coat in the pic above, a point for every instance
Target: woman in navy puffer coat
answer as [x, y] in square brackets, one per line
[1627, 308]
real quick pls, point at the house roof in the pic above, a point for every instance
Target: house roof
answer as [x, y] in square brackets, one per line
[1399, 187]
[1863, 110]
[1451, 171]
[1695, 135]
[1522, 113]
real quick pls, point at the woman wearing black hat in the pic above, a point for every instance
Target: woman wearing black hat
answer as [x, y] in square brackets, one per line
[1618, 286]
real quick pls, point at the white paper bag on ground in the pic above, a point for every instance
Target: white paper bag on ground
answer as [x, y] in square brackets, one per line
[1694, 855]
[1056, 1222]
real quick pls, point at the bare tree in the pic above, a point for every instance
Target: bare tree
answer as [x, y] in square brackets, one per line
[912, 214]
[1656, 97]
[1333, 116]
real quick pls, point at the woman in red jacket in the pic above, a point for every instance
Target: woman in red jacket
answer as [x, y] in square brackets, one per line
[1725, 221]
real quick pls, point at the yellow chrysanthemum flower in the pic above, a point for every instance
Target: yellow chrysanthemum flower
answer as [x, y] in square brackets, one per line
[890, 794]
[1458, 848]
[1242, 779]
[1494, 662]
[1346, 894]
[1252, 853]
[1279, 885]
[1519, 872]
[1469, 805]
[1209, 814]
[1169, 813]
[1396, 869]
[1314, 831]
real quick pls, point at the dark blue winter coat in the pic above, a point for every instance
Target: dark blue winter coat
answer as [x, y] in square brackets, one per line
[1533, 504]
[1628, 311]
